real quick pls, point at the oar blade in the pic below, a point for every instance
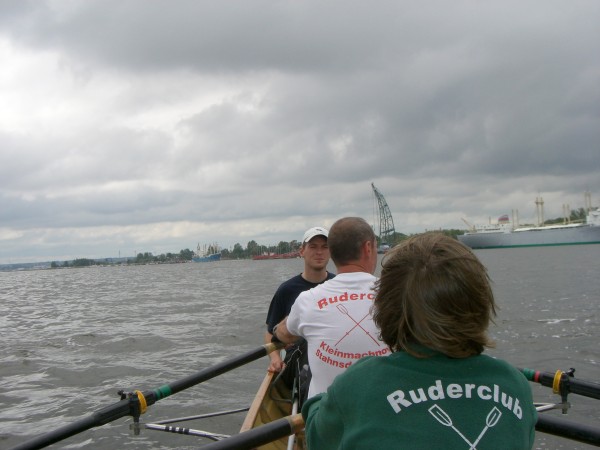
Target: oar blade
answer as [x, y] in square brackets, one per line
[440, 415]
[493, 417]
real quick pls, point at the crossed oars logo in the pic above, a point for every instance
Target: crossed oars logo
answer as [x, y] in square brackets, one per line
[343, 310]
[442, 417]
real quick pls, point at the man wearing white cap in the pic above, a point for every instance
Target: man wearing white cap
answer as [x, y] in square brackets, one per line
[315, 252]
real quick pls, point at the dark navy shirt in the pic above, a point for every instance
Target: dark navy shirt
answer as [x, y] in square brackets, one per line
[285, 296]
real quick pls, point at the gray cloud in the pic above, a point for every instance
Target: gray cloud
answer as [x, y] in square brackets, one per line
[156, 124]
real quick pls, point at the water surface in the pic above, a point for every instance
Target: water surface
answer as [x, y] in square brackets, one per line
[71, 338]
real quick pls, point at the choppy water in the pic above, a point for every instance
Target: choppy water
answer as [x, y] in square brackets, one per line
[71, 338]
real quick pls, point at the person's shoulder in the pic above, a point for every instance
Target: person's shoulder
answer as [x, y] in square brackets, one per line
[500, 366]
[360, 274]
[367, 361]
[358, 372]
[356, 277]
[364, 364]
[291, 282]
[493, 361]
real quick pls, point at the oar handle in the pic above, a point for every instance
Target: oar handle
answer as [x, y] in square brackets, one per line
[258, 436]
[561, 381]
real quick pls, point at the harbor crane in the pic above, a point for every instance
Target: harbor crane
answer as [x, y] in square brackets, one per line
[387, 232]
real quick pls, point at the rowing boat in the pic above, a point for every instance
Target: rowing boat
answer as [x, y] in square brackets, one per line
[273, 400]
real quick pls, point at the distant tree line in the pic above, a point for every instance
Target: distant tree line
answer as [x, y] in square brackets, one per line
[79, 262]
[254, 249]
[141, 258]
[164, 258]
[236, 252]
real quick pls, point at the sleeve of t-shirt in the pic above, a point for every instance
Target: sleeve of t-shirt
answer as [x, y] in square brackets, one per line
[324, 424]
[275, 314]
[294, 320]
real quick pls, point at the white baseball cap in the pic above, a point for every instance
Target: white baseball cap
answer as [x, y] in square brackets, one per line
[315, 231]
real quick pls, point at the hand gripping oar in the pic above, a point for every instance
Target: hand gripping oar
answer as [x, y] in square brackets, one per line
[260, 435]
[136, 403]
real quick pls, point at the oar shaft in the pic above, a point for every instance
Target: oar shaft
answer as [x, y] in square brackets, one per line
[208, 373]
[567, 429]
[575, 386]
[125, 407]
[293, 424]
[261, 435]
[101, 417]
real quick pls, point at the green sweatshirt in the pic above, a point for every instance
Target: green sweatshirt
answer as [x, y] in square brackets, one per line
[399, 401]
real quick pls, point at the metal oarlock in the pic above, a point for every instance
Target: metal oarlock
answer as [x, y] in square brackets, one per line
[564, 388]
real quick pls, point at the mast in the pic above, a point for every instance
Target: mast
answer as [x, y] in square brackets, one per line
[588, 201]
[387, 231]
[539, 210]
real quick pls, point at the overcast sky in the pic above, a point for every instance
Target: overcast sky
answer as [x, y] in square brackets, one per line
[134, 126]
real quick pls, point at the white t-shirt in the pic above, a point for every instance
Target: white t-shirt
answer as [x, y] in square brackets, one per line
[335, 319]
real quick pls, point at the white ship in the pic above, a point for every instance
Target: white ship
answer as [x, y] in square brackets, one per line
[504, 234]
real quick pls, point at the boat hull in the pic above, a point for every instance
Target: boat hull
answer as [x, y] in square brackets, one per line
[289, 255]
[534, 237]
[272, 402]
[207, 258]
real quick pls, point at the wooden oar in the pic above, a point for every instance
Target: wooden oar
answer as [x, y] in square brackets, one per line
[135, 404]
[563, 382]
[293, 424]
[260, 435]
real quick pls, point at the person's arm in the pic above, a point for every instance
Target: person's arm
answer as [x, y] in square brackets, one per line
[324, 425]
[276, 363]
[277, 311]
[281, 333]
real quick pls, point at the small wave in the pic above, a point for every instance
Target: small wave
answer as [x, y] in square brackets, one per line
[553, 321]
